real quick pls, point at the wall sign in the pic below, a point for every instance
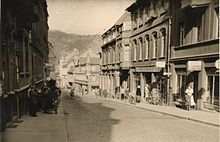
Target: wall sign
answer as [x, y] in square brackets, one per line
[160, 64]
[194, 65]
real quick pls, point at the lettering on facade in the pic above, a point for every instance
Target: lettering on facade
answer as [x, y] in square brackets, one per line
[160, 64]
[148, 69]
[194, 65]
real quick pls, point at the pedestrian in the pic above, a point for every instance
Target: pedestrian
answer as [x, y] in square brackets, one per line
[45, 98]
[122, 96]
[138, 94]
[189, 97]
[146, 92]
[32, 94]
[39, 98]
[132, 97]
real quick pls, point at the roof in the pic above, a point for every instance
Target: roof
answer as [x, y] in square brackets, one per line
[138, 4]
[118, 22]
[122, 18]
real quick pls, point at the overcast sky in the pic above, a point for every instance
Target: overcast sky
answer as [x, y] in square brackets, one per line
[85, 16]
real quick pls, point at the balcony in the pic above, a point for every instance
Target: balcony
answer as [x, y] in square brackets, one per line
[194, 3]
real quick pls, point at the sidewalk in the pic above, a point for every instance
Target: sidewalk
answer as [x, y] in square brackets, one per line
[44, 128]
[205, 117]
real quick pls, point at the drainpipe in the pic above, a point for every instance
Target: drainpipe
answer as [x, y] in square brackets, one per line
[170, 97]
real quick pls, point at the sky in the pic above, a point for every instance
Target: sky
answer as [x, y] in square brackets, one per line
[85, 17]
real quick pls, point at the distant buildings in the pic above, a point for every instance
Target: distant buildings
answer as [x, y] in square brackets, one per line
[81, 71]
[23, 54]
[172, 44]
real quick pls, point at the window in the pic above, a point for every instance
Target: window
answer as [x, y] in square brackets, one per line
[181, 85]
[198, 28]
[135, 50]
[26, 55]
[147, 41]
[182, 33]
[20, 59]
[213, 90]
[109, 56]
[135, 20]
[216, 23]
[154, 45]
[140, 48]
[141, 15]
[146, 14]
[114, 55]
[163, 42]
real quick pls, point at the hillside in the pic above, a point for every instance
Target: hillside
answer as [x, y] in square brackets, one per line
[65, 43]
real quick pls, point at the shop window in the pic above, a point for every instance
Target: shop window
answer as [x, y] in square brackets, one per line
[181, 85]
[213, 90]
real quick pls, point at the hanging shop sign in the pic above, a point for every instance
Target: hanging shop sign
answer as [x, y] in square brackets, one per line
[160, 64]
[194, 65]
[217, 64]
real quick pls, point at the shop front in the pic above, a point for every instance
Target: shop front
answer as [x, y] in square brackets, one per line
[203, 77]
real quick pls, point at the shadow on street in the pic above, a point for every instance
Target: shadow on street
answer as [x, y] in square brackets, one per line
[87, 120]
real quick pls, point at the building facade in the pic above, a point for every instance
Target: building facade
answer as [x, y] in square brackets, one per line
[66, 64]
[195, 51]
[87, 72]
[149, 44]
[24, 50]
[115, 56]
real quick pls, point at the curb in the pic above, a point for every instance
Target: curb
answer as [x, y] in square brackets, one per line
[165, 113]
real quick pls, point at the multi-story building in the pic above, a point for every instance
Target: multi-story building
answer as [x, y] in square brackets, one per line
[51, 62]
[195, 51]
[67, 62]
[24, 50]
[115, 55]
[87, 71]
[149, 43]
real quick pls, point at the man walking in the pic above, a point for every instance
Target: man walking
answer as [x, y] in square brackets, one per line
[32, 94]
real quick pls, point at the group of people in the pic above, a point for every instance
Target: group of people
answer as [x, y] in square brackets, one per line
[151, 93]
[45, 98]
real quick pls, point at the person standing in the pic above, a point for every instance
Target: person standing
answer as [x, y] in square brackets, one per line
[32, 94]
[189, 96]
[138, 94]
[146, 91]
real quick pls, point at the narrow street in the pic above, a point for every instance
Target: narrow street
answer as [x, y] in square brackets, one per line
[90, 119]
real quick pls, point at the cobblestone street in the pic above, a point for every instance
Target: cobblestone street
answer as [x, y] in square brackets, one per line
[93, 119]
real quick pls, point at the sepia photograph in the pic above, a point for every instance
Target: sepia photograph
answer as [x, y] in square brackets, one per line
[109, 71]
